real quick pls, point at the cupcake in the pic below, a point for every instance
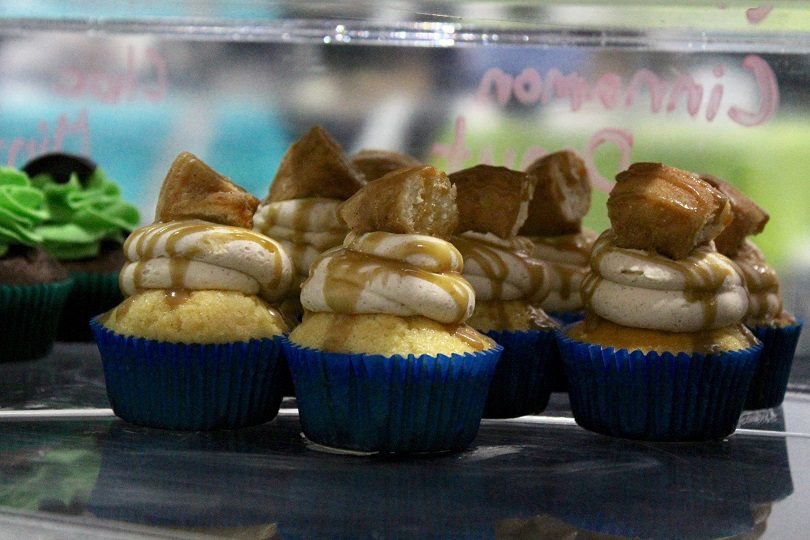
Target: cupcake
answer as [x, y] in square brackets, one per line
[562, 197]
[662, 353]
[508, 283]
[767, 318]
[33, 285]
[300, 211]
[87, 225]
[195, 343]
[383, 360]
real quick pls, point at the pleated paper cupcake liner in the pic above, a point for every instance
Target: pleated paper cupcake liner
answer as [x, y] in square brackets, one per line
[567, 317]
[556, 371]
[656, 397]
[91, 295]
[773, 371]
[520, 385]
[373, 403]
[190, 386]
[29, 315]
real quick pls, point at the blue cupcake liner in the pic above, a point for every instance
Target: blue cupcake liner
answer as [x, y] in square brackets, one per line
[656, 397]
[520, 385]
[190, 386]
[396, 404]
[556, 372]
[773, 371]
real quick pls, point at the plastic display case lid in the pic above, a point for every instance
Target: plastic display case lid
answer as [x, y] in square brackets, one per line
[660, 25]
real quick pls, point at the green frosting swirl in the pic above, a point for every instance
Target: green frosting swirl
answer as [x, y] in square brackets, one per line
[82, 216]
[21, 210]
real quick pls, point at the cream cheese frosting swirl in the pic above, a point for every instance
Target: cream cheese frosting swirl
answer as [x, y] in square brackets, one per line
[765, 302]
[640, 289]
[197, 255]
[566, 257]
[305, 227]
[395, 274]
[502, 269]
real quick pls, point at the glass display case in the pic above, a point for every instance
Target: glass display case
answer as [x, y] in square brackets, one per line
[712, 87]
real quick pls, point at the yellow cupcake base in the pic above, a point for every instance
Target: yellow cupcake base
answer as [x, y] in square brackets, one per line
[194, 317]
[386, 335]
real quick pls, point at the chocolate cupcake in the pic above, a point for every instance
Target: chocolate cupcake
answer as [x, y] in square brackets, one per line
[87, 224]
[33, 285]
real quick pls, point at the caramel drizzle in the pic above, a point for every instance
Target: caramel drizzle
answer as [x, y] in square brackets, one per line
[489, 259]
[348, 272]
[702, 281]
[761, 281]
[437, 251]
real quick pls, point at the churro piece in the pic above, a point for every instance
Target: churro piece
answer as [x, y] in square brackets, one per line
[492, 199]
[419, 200]
[314, 166]
[668, 210]
[193, 190]
[748, 218]
[562, 195]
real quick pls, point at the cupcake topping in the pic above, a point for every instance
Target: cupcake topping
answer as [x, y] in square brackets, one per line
[87, 214]
[305, 227]
[184, 253]
[641, 289]
[492, 199]
[21, 209]
[492, 205]
[314, 166]
[747, 218]
[502, 269]
[765, 302]
[419, 200]
[562, 195]
[566, 261]
[61, 167]
[392, 262]
[193, 190]
[200, 255]
[396, 274]
[664, 209]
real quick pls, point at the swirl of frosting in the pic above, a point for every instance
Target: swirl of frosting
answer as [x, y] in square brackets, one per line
[566, 257]
[195, 254]
[396, 274]
[305, 227]
[765, 302]
[502, 269]
[21, 209]
[82, 216]
[635, 288]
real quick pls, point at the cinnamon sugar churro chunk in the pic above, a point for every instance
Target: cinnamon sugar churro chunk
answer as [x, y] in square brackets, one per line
[419, 200]
[562, 195]
[314, 166]
[375, 164]
[748, 218]
[492, 199]
[193, 190]
[664, 209]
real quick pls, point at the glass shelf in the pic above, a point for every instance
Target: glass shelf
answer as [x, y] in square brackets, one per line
[69, 466]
